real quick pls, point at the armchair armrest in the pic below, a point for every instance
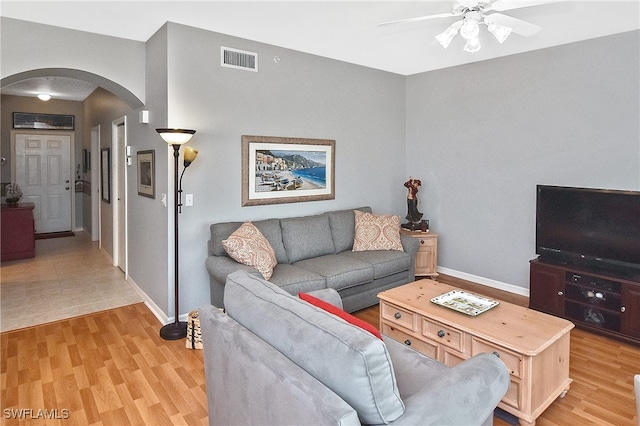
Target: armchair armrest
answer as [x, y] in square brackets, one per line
[329, 295]
[435, 394]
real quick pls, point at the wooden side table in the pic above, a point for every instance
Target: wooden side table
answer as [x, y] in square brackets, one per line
[18, 232]
[427, 256]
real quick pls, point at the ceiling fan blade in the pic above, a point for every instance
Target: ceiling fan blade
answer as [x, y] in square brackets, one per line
[420, 18]
[517, 25]
[502, 5]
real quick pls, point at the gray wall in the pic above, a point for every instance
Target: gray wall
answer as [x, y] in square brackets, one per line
[481, 136]
[301, 96]
[114, 63]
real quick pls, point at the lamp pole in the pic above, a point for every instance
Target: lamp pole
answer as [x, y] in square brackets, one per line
[177, 329]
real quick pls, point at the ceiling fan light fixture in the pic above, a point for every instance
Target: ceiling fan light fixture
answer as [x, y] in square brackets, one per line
[445, 37]
[500, 32]
[472, 45]
[469, 29]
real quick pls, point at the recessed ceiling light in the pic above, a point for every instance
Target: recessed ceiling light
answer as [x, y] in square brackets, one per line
[44, 96]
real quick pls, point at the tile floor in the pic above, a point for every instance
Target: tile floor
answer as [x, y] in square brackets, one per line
[69, 277]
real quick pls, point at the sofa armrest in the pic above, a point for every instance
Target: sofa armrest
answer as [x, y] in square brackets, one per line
[436, 394]
[409, 244]
[250, 383]
[218, 268]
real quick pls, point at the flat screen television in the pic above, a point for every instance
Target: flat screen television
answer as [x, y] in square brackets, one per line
[594, 228]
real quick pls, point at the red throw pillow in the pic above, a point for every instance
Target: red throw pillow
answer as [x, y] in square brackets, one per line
[340, 313]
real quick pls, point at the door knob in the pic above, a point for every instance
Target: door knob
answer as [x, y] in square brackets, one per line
[67, 181]
[67, 188]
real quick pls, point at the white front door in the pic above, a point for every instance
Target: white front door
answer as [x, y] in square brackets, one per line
[43, 171]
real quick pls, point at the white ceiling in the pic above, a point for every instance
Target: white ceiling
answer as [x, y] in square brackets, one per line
[343, 30]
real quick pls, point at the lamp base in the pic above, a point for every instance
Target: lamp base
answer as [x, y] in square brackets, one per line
[174, 331]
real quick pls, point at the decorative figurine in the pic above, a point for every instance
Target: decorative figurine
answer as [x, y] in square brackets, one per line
[14, 193]
[414, 217]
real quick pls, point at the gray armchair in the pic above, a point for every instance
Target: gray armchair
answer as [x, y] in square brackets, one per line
[275, 359]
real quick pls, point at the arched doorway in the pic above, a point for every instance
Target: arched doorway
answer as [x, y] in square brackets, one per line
[84, 153]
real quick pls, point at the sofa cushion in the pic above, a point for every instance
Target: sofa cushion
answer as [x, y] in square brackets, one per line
[376, 232]
[248, 246]
[332, 309]
[306, 237]
[384, 262]
[339, 271]
[270, 228]
[293, 279]
[347, 359]
[342, 224]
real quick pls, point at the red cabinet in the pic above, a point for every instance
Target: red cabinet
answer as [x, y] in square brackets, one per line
[18, 232]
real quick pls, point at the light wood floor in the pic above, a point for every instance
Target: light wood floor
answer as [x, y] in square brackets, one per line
[112, 368]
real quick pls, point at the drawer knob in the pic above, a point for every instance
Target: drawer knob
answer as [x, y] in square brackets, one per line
[441, 333]
[560, 293]
[421, 241]
[622, 309]
[398, 315]
[496, 354]
[407, 342]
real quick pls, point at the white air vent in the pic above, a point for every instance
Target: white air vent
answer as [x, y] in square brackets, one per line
[239, 59]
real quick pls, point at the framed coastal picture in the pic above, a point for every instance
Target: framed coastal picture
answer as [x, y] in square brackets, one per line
[146, 174]
[287, 170]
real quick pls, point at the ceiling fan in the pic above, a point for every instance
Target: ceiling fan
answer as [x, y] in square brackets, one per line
[476, 12]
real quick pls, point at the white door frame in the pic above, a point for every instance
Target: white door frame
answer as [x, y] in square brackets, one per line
[96, 223]
[119, 223]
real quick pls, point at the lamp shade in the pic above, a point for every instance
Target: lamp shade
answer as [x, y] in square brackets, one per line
[189, 155]
[176, 136]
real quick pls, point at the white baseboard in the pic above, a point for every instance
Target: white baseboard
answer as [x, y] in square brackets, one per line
[155, 309]
[485, 281]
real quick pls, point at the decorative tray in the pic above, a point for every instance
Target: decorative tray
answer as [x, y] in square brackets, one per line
[464, 302]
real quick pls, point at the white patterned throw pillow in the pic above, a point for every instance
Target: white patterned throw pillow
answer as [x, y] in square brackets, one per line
[376, 232]
[248, 246]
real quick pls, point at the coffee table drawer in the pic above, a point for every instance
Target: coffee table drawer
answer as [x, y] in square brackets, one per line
[442, 334]
[512, 360]
[512, 397]
[425, 348]
[399, 316]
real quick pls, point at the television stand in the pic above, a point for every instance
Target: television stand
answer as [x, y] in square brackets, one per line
[594, 301]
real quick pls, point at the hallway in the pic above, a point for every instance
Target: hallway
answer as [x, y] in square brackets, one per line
[69, 276]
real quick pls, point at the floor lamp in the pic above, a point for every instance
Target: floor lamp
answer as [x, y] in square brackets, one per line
[176, 138]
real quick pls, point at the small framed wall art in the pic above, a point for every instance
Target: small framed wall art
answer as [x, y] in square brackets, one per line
[146, 174]
[105, 174]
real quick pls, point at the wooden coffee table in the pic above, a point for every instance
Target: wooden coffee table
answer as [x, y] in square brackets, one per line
[534, 346]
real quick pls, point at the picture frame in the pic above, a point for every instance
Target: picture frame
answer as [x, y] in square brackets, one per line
[28, 120]
[86, 160]
[105, 174]
[287, 170]
[146, 173]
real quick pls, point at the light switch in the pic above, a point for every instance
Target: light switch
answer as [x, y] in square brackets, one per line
[188, 200]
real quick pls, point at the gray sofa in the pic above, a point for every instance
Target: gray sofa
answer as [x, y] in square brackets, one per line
[315, 252]
[274, 359]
